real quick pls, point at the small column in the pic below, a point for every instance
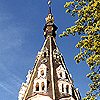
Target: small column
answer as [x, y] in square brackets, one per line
[34, 89]
[45, 86]
[40, 87]
[60, 87]
[45, 71]
[39, 73]
[70, 89]
[64, 88]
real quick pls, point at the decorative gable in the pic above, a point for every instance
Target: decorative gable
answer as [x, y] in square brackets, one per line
[61, 72]
[42, 70]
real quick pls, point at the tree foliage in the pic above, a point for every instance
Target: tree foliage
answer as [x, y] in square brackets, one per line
[88, 26]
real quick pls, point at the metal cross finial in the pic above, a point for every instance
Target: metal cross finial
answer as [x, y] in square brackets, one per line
[49, 4]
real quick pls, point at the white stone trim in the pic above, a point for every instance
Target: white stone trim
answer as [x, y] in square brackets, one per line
[44, 44]
[28, 77]
[51, 64]
[31, 79]
[22, 91]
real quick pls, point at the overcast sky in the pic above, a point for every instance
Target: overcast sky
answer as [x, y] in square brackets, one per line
[21, 37]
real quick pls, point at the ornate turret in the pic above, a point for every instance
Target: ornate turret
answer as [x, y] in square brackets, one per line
[49, 79]
[50, 28]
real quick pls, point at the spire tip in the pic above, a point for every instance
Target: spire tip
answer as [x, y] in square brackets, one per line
[49, 2]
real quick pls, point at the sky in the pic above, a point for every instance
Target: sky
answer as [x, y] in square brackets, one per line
[21, 37]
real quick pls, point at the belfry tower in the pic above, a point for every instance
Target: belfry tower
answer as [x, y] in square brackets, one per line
[49, 79]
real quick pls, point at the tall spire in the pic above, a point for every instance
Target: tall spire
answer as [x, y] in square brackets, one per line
[49, 79]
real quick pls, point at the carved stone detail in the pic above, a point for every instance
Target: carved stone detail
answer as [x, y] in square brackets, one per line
[45, 52]
[44, 61]
[56, 55]
[22, 91]
[61, 73]
[42, 70]
[28, 77]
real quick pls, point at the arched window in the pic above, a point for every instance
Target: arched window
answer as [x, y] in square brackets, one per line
[48, 82]
[67, 89]
[44, 54]
[60, 74]
[37, 86]
[73, 93]
[62, 87]
[42, 72]
[43, 86]
[66, 75]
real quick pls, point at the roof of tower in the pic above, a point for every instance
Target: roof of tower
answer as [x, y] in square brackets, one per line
[49, 79]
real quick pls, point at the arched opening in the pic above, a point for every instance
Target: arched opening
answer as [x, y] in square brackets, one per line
[62, 87]
[42, 72]
[67, 89]
[66, 75]
[37, 86]
[60, 74]
[73, 93]
[48, 82]
[43, 86]
[44, 54]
